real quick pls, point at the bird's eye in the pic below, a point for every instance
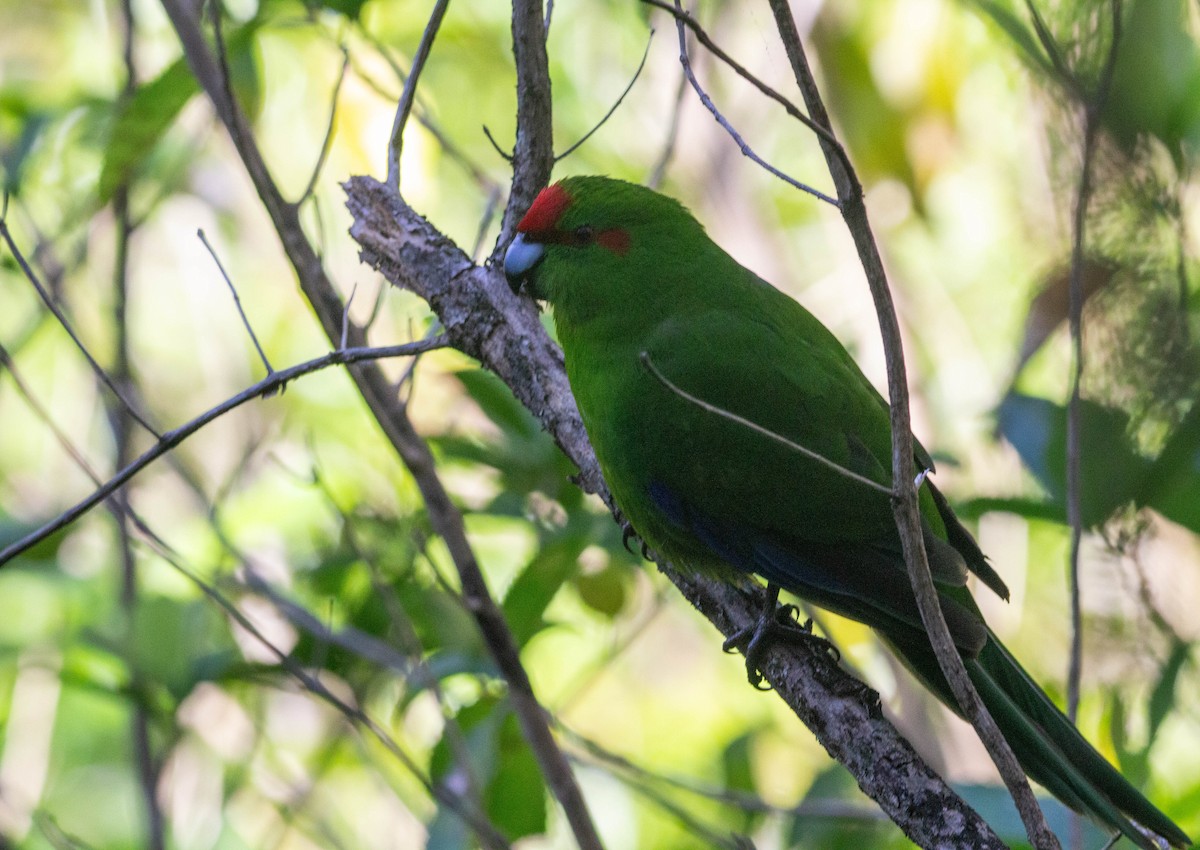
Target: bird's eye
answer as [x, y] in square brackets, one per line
[584, 235]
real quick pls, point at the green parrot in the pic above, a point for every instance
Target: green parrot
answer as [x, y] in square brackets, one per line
[649, 311]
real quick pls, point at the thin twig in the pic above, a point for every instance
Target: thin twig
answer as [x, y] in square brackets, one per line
[758, 429]
[396, 144]
[240, 130]
[1074, 446]
[447, 520]
[376, 309]
[346, 317]
[905, 493]
[420, 674]
[724, 122]
[832, 807]
[1046, 39]
[613, 108]
[362, 645]
[664, 159]
[534, 158]
[148, 763]
[705, 39]
[39, 410]
[169, 440]
[452, 150]
[533, 151]
[327, 142]
[489, 836]
[485, 221]
[508, 157]
[237, 302]
[58, 314]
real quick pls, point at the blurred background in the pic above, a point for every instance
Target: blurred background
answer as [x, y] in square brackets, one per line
[157, 675]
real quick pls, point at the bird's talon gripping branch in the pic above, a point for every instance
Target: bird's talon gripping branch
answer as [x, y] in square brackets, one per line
[775, 624]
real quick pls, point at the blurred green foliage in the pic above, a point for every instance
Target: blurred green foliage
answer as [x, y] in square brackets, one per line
[289, 583]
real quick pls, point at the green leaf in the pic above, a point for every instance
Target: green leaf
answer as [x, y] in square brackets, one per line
[497, 402]
[1156, 78]
[737, 768]
[141, 122]
[523, 453]
[14, 154]
[1134, 763]
[1016, 30]
[604, 592]
[144, 118]
[1162, 698]
[1172, 486]
[510, 783]
[816, 832]
[533, 589]
[1036, 509]
[1111, 473]
[515, 799]
[351, 9]
[178, 644]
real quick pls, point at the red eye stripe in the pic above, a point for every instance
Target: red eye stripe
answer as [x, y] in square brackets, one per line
[616, 240]
[547, 208]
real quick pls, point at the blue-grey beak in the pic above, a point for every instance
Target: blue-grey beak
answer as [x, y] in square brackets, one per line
[520, 257]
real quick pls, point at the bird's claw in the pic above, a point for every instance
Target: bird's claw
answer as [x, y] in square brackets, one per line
[779, 624]
[628, 532]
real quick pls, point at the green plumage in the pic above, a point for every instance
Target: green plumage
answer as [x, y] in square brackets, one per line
[633, 278]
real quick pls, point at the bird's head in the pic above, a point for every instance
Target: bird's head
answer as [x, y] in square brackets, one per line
[594, 233]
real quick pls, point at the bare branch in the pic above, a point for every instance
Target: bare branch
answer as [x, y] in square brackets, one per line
[396, 143]
[908, 521]
[327, 142]
[169, 440]
[660, 167]
[488, 835]
[534, 159]
[237, 302]
[1091, 129]
[58, 314]
[682, 16]
[533, 154]
[614, 107]
[447, 521]
[505, 155]
[745, 148]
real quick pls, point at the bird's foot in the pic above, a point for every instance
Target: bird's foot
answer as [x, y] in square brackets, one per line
[776, 624]
[628, 532]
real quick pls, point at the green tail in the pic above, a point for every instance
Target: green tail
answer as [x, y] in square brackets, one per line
[1048, 746]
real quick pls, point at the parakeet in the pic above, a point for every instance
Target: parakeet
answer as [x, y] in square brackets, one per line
[649, 311]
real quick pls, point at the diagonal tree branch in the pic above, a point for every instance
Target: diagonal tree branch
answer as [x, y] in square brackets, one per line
[533, 160]
[854, 211]
[486, 321]
[533, 155]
